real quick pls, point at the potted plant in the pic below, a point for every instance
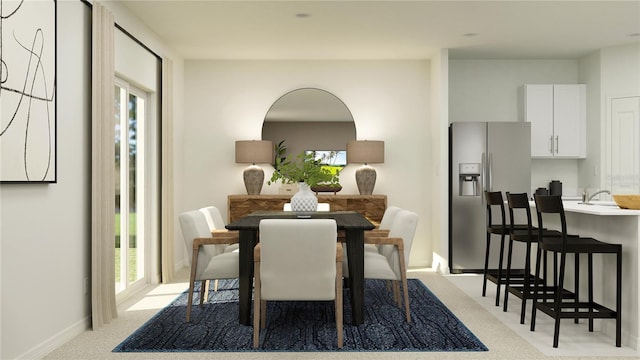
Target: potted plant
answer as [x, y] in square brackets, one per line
[307, 172]
[303, 169]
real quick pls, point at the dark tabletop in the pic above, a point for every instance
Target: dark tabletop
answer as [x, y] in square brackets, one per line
[346, 220]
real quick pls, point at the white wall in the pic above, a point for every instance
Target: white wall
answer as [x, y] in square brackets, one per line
[438, 178]
[620, 69]
[226, 101]
[608, 73]
[589, 168]
[487, 90]
[45, 229]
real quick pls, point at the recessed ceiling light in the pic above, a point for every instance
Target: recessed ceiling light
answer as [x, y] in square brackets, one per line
[470, 34]
[303, 15]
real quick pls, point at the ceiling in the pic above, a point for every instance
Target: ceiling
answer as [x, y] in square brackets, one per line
[324, 30]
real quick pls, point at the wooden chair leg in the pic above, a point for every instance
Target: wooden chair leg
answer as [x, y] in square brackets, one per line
[204, 291]
[263, 310]
[215, 285]
[405, 287]
[396, 294]
[192, 280]
[189, 301]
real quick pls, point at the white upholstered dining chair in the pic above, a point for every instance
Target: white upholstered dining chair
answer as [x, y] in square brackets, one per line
[389, 262]
[208, 261]
[215, 222]
[297, 259]
[383, 228]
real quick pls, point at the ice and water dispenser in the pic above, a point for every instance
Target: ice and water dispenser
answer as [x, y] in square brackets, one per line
[469, 179]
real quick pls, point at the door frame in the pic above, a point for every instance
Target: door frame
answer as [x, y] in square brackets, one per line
[607, 133]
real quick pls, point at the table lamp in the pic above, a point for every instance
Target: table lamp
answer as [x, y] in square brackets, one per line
[252, 152]
[365, 152]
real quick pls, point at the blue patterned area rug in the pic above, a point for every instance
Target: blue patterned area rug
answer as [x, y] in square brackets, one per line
[305, 326]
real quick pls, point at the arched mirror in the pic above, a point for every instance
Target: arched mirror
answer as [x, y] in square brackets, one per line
[310, 119]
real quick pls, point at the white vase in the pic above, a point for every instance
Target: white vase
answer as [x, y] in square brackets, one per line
[304, 200]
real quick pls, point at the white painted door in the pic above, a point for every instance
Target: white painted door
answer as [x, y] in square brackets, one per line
[623, 146]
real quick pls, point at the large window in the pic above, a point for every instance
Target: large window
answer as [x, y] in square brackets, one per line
[129, 159]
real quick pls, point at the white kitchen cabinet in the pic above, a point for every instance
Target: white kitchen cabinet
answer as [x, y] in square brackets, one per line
[557, 114]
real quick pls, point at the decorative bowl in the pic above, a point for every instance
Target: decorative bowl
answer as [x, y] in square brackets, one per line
[627, 201]
[326, 188]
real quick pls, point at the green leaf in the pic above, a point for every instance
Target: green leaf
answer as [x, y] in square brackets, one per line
[303, 169]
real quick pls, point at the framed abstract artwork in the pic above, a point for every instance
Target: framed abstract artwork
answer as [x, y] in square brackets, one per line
[28, 124]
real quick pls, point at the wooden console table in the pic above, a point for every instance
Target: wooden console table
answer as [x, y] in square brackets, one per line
[371, 206]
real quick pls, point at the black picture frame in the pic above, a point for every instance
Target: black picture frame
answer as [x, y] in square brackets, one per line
[28, 91]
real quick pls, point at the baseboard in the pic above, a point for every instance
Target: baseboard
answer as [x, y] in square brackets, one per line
[439, 264]
[57, 340]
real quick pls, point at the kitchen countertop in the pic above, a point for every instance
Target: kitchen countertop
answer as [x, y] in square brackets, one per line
[596, 207]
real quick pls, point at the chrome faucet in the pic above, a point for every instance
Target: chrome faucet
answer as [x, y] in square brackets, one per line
[586, 198]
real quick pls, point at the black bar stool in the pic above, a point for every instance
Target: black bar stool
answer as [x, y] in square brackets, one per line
[559, 309]
[522, 287]
[494, 202]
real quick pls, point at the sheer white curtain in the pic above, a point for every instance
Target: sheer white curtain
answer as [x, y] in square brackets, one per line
[103, 297]
[167, 172]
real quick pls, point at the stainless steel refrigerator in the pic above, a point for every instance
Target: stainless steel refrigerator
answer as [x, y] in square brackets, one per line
[493, 156]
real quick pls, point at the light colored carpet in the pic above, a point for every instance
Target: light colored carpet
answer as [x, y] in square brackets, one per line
[502, 341]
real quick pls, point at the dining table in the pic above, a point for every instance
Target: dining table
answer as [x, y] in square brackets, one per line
[352, 223]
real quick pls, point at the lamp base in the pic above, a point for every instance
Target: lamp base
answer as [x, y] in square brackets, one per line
[253, 179]
[366, 179]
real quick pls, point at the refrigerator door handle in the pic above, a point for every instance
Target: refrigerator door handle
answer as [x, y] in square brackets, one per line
[484, 176]
[490, 170]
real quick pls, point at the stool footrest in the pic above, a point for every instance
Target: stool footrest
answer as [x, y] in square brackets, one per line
[568, 310]
[544, 292]
[492, 275]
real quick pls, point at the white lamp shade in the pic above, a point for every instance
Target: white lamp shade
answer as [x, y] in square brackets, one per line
[365, 152]
[254, 151]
